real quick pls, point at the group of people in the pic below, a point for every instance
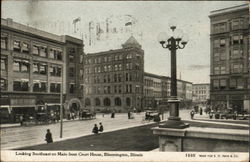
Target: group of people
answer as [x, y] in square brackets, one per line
[195, 110]
[96, 130]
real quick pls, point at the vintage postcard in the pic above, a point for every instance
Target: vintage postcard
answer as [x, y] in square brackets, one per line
[125, 80]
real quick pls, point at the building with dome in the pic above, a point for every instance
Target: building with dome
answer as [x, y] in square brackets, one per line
[114, 78]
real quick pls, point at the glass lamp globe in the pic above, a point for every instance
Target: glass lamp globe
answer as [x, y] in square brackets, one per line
[185, 38]
[162, 37]
[178, 34]
[172, 23]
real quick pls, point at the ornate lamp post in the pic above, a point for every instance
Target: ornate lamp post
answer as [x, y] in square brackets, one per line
[178, 40]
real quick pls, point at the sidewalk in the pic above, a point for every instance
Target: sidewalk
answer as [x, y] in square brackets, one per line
[18, 124]
[83, 135]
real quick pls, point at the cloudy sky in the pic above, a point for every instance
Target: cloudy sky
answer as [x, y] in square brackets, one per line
[152, 18]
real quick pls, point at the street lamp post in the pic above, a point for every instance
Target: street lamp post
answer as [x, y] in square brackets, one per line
[177, 41]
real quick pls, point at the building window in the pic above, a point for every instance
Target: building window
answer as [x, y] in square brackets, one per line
[4, 40]
[237, 23]
[17, 46]
[97, 102]
[43, 68]
[216, 70]
[55, 70]
[236, 53]
[223, 84]
[39, 86]
[215, 84]
[21, 65]
[55, 54]
[219, 28]
[223, 69]
[21, 85]
[35, 50]
[237, 39]
[232, 83]
[236, 68]
[118, 101]
[107, 90]
[110, 58]
[81, 73]
[3, 64]
[120, 89]
[109, 68]
[43, 51]
[71, 54]
[71, 88]
[55, 87]
[87, 102]
[3, 84]
[128, 101]
[106, 102]
[71, 72]
[120, 66]
[116, 67]
[129, 66]
[129, 56]
[105, 68]
[25, 47]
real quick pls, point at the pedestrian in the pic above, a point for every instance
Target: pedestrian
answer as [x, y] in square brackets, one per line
[201, 111]
[129, 114]
[113, 114]
[192, 114]
[48, 137]
[21, 120]
[101, 127]
[95, 129]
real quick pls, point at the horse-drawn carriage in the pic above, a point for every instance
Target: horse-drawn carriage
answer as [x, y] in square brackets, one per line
[152, 115]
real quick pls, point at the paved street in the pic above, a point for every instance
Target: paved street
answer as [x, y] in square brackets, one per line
[25, 136]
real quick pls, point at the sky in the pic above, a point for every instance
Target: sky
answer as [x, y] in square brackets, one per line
[150, 18]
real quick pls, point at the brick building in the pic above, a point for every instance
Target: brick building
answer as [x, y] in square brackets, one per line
[201, 92]
[114, 79]
[230, 58]
[33, 71]
[157, 89]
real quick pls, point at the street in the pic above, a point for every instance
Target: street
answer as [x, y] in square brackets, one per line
[26, 136]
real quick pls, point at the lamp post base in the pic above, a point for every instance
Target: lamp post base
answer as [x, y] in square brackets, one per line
[174, 121]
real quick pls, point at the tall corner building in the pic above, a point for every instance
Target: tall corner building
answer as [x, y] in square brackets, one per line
[36, 67]
[114, 78]
[230, 58]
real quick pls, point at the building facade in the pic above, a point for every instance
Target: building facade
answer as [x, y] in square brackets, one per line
[157, 90]
[201, 93]
[74, 69]
[33, 71]
[230, 58]
[153, 93]
[114, 79]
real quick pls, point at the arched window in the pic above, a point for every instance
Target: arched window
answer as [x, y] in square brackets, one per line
[106, 102]
[128, 101]
[118, 101]
[97, 102]
[87, 102]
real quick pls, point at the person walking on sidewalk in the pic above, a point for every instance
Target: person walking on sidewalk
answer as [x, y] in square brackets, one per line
[95, 129]
[192, 114]
[201, 111]
[48, 137]
[101, 127]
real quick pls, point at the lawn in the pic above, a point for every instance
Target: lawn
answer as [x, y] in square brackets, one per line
[139, 138]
